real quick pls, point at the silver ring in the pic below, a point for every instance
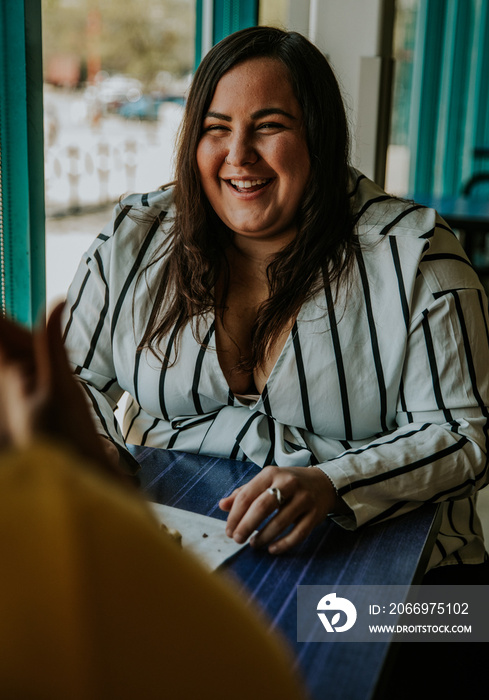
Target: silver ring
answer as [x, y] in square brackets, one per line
[274, 491]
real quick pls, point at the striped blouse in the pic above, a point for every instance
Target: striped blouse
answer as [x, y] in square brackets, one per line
[383, 385]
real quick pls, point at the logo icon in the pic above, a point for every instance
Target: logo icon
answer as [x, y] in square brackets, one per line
[331, 603]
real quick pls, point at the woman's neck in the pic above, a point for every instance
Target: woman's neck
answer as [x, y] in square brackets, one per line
[255, 254]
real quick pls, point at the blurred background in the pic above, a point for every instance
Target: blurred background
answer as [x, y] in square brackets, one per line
[115, 78]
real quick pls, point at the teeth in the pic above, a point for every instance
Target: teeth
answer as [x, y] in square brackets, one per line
[245, 184]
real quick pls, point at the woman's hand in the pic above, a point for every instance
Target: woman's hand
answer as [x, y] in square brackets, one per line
[308, 497]
[40, 397]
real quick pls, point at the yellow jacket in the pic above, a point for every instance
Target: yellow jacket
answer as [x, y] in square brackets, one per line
[97, 602]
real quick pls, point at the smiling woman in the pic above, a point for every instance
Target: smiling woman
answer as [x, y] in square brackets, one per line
[287, 311]
[253, 162]
[253, 157]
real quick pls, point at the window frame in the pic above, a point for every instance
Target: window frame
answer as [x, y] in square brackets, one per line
[22, 222]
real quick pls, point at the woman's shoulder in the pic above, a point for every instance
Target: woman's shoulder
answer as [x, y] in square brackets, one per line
[153, 203]
[139, 223]
[140, 213]
[378, 213]
[137, 216]
[404, 235]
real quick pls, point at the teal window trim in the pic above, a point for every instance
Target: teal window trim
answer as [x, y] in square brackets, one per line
[22, 217]
[228, 16]
[232, 15]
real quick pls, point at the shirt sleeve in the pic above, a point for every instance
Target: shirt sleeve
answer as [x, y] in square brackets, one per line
[87, 332]
[439, 450]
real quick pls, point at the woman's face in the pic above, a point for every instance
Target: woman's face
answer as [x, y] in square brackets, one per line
[252, 156]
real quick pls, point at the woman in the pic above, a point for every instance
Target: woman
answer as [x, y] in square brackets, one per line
[275, 305]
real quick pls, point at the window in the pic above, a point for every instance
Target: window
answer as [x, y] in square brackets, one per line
[440, 124]
[115, 76]
[21, 180]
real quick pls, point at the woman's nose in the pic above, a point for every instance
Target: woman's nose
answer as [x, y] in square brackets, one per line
[241, 151]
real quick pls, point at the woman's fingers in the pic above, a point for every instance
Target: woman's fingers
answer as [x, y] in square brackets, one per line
[15, 407]
[254, 515]
[280, 537]
[299, 511]
[246, 498]
[40, 396]
[307, 497]
[66, 415]
[226, 503]
[17, 348]
[289, 514]
[15, 341]
[17, 385]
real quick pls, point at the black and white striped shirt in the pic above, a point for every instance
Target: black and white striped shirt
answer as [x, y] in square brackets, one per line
[385, 388]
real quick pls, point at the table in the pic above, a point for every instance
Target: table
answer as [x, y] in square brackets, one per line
[394, 552]
[467, 214]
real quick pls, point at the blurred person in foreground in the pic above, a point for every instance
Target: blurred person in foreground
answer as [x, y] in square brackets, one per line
[96, 601]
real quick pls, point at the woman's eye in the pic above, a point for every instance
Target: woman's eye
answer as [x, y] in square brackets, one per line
[216, 128]
[269, 126]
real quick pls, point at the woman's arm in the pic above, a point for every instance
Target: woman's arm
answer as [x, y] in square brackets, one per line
[439, 452]
[87, 333]
[92, 305]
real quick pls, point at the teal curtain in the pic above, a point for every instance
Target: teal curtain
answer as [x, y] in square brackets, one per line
[22, 239]
[449, 117]
[228, 16]
[231, 15]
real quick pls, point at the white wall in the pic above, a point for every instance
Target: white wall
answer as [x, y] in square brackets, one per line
[349, 33]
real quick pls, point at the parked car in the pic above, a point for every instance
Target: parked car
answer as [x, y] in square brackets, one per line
[145, 108]
[116, 90]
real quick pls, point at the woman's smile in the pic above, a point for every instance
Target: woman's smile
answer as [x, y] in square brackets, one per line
[247, 189]
[252, 157]
[248, 186]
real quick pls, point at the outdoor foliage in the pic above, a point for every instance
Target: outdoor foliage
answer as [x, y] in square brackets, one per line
[141, 38]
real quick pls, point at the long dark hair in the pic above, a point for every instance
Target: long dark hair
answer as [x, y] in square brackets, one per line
[194, 256]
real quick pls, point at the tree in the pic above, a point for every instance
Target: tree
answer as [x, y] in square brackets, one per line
[136, 37]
